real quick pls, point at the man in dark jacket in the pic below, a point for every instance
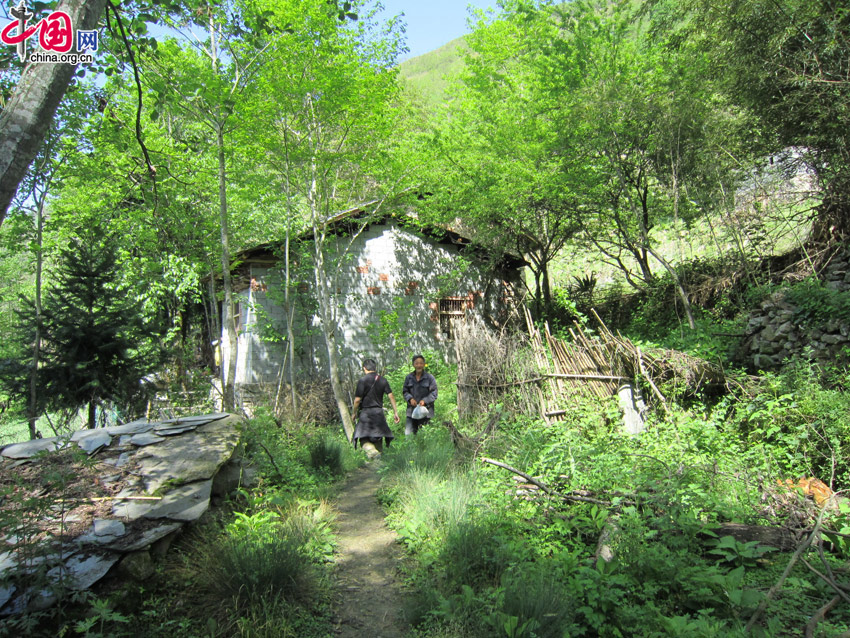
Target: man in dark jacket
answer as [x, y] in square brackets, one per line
[369, 397]
[420, 389]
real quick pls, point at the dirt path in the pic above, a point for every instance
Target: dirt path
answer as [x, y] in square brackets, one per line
[369, 599]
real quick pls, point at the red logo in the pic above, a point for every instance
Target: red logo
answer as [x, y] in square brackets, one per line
[55, 32]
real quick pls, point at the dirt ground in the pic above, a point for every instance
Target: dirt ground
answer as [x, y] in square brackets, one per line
[369, 599]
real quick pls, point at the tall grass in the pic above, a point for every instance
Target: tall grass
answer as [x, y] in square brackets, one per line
[328, 454]
[474, 553]
[431, 449]
[538, 601]
[254, 567]
[272, 554]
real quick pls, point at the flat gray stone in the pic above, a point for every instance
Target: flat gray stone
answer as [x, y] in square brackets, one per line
[85, 569]
[136, 427]
[103, 532]
[178, 458]
[79, 435]
[132, 510]
[7, 561]
[108, 527]
[135, 542]
[6, 594]
[146, 438]
[92, 444]
[184, 503]
[28, 449]
[165, 429]
[191, 457]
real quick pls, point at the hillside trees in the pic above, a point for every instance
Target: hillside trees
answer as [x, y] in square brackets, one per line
[331, 114]
[502, 165]
[208, 89]
[32, 105]
[574, 120]
[30, 214]
[787, 61]
[163, 240]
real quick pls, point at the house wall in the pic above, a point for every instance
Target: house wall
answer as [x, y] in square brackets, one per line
[387, 290]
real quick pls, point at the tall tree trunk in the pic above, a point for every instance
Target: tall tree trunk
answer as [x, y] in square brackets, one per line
[324, 293]
[32, 409]
[329, 331]
[288, 308]
[28, 114]
[92, 420]
[680, 290]
[228, 368]
[214, 312]
[546, 287]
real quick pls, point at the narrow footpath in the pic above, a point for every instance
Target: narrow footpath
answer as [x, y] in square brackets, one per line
[369, 599]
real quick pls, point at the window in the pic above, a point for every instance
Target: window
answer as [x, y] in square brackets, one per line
[452, 309]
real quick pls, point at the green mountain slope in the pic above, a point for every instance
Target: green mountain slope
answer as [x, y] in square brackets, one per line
[426, 74]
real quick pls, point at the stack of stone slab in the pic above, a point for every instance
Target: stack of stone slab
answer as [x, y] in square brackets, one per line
[169, 470]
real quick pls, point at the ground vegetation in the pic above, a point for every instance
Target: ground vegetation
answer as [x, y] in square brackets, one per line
[668, 165]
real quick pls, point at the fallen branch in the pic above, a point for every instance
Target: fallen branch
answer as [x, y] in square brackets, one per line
[782, 538]
[546, 488]
[528, 478]
[819, 615]
[776, 587]
[97, 499]
[829, 581]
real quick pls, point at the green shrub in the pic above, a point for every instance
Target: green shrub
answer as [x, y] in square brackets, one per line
[256, 566]
[801, 424]
[535, 599]
[328, 454]
[473, 553]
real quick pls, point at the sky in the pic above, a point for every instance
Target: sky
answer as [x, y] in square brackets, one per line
[432, 23]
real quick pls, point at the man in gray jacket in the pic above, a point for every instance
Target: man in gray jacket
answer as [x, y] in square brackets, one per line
[419, 390]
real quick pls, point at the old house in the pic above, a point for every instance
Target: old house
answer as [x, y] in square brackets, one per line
[399, 288]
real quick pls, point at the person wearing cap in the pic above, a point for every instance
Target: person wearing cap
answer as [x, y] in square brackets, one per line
[420, 393]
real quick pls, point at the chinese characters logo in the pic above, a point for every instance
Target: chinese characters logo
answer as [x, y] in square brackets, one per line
[55, 34]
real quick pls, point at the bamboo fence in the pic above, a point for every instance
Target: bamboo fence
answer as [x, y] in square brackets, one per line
[557, 372]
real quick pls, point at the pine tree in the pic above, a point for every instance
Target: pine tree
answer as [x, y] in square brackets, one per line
[92, 333]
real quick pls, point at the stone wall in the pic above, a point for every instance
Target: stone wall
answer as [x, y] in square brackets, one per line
[777, 332]
[148, 480]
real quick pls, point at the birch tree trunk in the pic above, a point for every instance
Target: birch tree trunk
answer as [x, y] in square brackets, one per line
[32, 409]
[228, 368]
[27, 116]
[323, 290]
[289, 309]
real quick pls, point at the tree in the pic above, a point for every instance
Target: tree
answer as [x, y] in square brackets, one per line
[787, 61]
[582, 110]
[503, 163]
[36, 188]
[331, 108]
[208, 92]
[26, 117]
[94, 346]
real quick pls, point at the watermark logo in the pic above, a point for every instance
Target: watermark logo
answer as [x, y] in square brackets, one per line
[55, 37]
